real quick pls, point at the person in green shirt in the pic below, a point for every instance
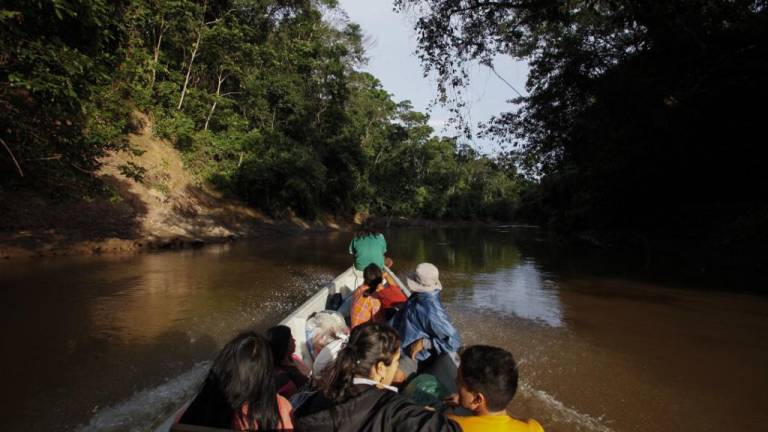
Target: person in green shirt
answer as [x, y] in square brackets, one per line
[368, 247]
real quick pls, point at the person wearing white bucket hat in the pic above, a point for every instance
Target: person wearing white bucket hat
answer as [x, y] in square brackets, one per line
[426, 278]
[424, 326]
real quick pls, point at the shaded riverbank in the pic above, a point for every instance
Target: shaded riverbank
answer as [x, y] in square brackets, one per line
[141, 199]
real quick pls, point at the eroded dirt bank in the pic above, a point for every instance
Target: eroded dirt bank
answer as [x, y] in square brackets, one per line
[145, 200]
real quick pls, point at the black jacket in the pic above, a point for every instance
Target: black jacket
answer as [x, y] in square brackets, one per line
[372, 410]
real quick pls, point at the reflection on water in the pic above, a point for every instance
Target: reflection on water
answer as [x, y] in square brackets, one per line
[482, 268]
[113, 343]
[520, 290]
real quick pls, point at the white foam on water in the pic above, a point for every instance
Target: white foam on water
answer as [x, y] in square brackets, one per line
[564, 414]
[149, 407]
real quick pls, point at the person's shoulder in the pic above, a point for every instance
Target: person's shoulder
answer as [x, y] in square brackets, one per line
[391, 396]
[529, 425]
[367, 398]
[495, 423]
[358, 292]
[426, 298]
[416, 302]
[395, 402]
[313, 406]
[463, 421]
[534, 426]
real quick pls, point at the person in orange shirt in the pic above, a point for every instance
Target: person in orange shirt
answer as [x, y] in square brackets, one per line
[366, 307]
[487, 382]
[373, 298]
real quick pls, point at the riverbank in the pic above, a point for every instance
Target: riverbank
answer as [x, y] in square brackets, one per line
[141, 199]
[144, 199]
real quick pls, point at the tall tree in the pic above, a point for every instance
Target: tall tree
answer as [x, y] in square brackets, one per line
[625, 113]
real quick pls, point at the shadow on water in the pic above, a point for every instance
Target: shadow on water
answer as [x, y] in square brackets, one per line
[43, 223]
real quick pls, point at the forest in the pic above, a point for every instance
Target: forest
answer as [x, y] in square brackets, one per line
[638, 116]
[265, 99]
[641, 116]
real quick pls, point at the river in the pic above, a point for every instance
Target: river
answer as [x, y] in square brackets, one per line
[605, 341]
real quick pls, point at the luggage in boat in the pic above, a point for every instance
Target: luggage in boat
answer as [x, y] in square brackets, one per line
[322, 328]
[426, 390]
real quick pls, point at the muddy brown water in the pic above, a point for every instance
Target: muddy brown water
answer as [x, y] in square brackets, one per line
[605, 342]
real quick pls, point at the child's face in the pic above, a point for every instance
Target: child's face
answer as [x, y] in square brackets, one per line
[467, 398]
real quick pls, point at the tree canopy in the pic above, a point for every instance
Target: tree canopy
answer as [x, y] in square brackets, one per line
[265, 99]
[638, 114]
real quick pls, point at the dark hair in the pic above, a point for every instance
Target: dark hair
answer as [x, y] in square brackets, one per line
[372, 277]
[279, 340]
[368, 344]
[366, 229]
[491, 371]
[241, 374]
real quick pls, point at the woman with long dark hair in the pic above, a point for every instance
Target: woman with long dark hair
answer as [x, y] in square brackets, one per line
[291, 374]
[239, 391]
[356, 394]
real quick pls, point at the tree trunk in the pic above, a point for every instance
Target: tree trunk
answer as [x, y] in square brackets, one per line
[274, 113]
[364, 141]
[189, 69]
[215, 100]
[156, 56]
[378, 156]
[210, 113]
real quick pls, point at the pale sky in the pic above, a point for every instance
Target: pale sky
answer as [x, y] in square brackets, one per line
[393, 62]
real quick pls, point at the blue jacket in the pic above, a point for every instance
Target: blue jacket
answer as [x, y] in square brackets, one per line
[425, 317]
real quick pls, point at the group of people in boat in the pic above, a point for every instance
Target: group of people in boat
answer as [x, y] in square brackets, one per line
[400, 368]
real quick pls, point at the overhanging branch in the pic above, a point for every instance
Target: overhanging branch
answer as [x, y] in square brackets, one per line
[18, 167]
[498, 5]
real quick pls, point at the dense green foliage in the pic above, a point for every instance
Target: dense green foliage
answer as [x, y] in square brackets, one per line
[58, 110]
[263, 97]
[640, 115]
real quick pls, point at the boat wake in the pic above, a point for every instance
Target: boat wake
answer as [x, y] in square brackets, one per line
[147, 408]
[560, 413]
